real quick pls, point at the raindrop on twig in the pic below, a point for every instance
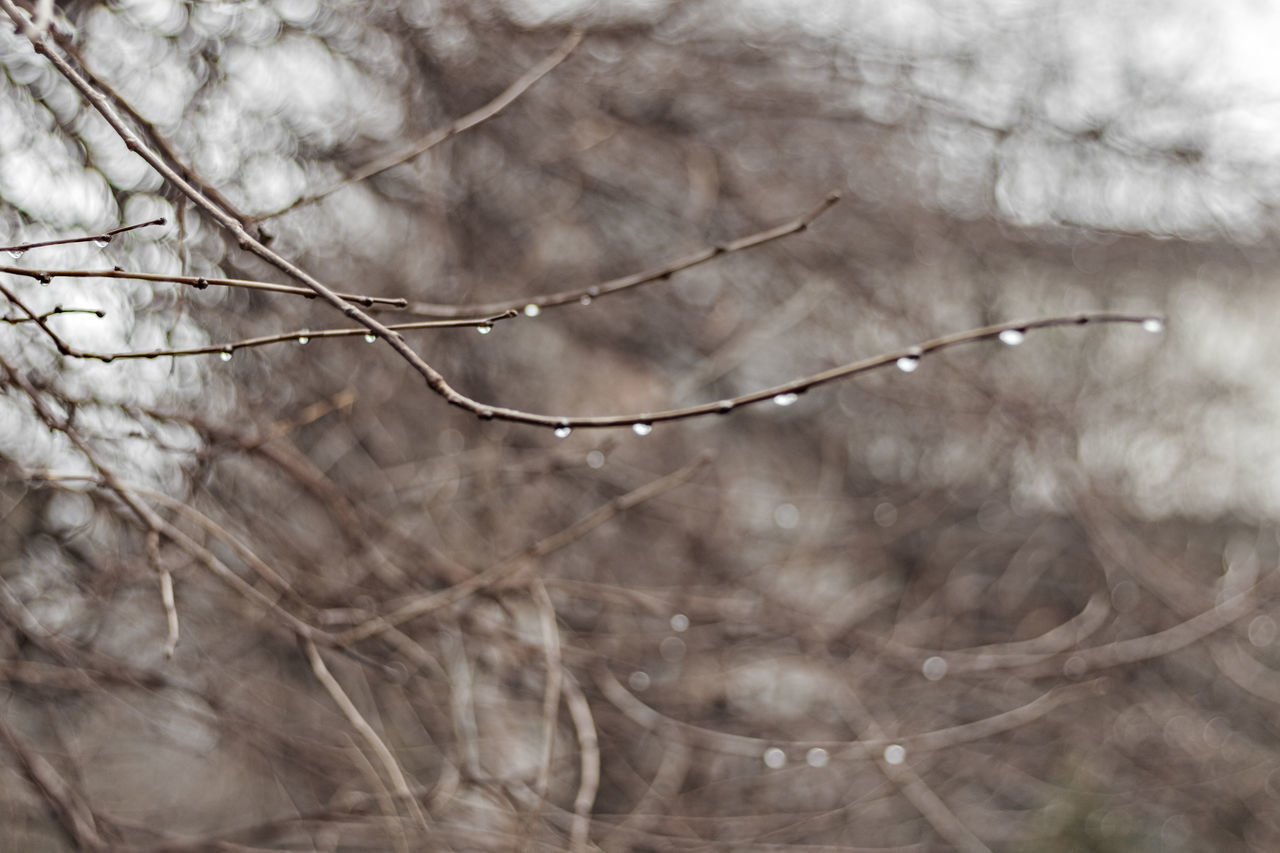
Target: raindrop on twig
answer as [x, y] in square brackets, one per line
[1012, 337]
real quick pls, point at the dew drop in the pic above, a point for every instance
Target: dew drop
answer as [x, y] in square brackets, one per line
[817, 757]
[724, 407]
[885, 514]
[585, 300]
[1012, 337]
[775, 758]
[17, 253]
[786, 516]
[679, 623]
[1262, 631]
[532, 310]
[894, 754]
[302, 339]
[562, 431]
[1154, 325]
[485, 329]
[485, 414]
[934, 668]
[370, 339]
[672, 649]
[102, 242]
[44, 280]
[595, 459]
[638, 680]
[225, 355]
[642, 428]
[909, 363]
[786, 399]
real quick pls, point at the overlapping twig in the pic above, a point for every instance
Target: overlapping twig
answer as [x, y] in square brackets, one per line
[435, 137]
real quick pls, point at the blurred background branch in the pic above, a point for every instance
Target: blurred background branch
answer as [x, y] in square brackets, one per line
[291, 600]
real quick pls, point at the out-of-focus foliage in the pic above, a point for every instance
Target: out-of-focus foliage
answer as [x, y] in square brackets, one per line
[1045, 571]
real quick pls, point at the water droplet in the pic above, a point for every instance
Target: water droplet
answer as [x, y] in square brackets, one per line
[642, 428]
[1012, 337]
[786, 516]
[225, 355]
[562, 431]
[302, 339]
[102, 242]
[485, 328]
[894, 754]
[585, 300]
[1154, 325]
[934, 668]
[532, 310]
[1262, 631]
[370, 339]
[44, 280]
[775, 758]
[786, 399]
[17, 253]
[485, 414]
[724, 407]
[909, 363]
[817, 757]
[595, 459]
[679, 623]
[638, 680]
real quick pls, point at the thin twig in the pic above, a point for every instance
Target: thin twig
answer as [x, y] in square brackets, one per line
[72, 810]
[586, 295]
[166, 591]
[382, 794]
[555, 679]
[388, 761]
[435, 137]
[588, 760]
[53, 312]
[225, 350]
[733, 744]
[102, 239]
[200, 282]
